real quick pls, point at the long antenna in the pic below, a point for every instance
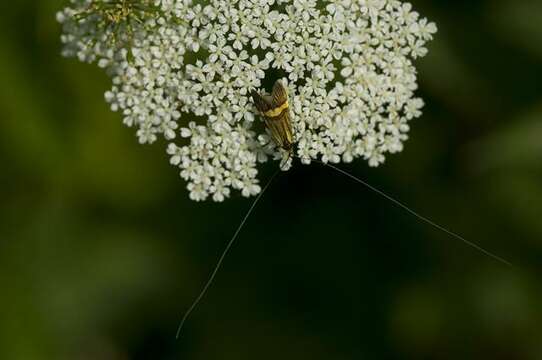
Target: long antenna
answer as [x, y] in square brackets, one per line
[415, 214]
[222, 256]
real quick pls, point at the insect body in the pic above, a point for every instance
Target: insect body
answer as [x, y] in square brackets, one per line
[276, 113]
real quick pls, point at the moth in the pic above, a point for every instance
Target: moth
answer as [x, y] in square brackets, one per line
[275, 111]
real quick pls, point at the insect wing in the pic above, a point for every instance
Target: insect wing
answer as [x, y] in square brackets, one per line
[279, 95]
[263, 104]
[276, 114]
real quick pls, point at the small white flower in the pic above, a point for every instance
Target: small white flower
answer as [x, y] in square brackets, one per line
[187, 69]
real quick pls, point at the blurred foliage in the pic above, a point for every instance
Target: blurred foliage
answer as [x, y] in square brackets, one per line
[101, 250]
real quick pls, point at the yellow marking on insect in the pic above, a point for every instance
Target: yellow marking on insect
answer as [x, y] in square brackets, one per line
[276, 111]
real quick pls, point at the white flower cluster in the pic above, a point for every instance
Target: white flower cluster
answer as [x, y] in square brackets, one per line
[187, 71]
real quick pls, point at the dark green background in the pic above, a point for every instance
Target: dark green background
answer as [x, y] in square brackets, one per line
[101, 250]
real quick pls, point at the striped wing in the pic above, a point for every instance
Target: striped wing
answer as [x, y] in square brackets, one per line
[276, 115]
[279, 94]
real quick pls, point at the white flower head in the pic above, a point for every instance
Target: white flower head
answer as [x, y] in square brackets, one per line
[348, 66]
